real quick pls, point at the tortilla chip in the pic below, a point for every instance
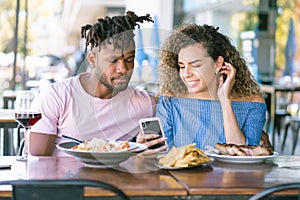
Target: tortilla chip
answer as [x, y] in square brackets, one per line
[184, 156]
[172, 156]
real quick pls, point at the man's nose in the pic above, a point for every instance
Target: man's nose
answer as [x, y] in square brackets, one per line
[121, 66]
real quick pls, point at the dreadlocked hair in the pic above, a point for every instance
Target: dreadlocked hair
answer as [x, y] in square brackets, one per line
[113, 29]
[216, 44]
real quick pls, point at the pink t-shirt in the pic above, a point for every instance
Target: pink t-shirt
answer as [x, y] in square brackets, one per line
[67, 109]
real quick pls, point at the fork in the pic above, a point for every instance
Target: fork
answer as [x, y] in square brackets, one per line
[72, 139]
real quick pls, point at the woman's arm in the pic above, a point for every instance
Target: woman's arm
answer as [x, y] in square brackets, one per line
[255, 118]
[233, 133]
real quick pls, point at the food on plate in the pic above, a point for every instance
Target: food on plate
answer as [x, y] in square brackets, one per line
[184, 156]
[101, 145]
[244, 150]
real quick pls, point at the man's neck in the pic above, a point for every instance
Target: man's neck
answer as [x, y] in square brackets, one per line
[94, 88]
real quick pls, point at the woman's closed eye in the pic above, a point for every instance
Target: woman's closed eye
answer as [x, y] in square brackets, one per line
[183, 66]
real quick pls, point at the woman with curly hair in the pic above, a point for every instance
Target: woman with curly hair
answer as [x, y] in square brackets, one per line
[208, 94]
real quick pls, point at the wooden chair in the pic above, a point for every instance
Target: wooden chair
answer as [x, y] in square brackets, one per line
[282, 99]
[292, 122]
[57, 189]
[281, 112]
[277, 188]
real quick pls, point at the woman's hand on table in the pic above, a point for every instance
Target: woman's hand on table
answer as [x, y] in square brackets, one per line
[264, 141]
[151, 140]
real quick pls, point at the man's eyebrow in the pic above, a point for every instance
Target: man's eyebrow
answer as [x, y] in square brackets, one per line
[129, 54]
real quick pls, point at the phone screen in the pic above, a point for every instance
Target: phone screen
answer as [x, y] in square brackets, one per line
[152, 127]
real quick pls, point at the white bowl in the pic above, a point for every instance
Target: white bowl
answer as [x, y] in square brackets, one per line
[103, 158]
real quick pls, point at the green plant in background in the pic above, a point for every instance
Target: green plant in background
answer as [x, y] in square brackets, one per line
[8, 22]
[287, 9]
[248, 20]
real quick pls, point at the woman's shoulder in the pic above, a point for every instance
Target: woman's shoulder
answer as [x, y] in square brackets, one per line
[183, 101]
[258, 98]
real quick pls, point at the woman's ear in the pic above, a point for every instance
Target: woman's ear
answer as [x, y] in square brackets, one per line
[220, 61]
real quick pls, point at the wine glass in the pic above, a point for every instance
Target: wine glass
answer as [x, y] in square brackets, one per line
[26, 115]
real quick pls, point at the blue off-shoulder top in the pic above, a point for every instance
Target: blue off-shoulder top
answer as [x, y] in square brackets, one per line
[187, 121]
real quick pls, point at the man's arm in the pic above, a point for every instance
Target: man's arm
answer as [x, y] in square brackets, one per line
[41, 144]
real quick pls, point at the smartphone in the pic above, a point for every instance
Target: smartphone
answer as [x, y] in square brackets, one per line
[152, 125]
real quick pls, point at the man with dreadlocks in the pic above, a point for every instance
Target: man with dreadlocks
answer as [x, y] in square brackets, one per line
[97, 103]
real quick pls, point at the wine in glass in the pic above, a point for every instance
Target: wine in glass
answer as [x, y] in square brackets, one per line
[26, 115]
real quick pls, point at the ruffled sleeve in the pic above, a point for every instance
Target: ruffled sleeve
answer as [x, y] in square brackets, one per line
[164, 111]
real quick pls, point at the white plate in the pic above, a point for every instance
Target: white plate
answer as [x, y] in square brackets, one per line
[240, 159]
[103, 158]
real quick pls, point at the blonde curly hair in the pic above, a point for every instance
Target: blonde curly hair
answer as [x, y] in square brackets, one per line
[216, 45]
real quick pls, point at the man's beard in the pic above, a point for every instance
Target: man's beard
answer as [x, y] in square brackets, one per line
[119, 87]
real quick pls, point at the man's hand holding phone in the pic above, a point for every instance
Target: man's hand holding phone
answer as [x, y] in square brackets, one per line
[152, 135]
[151, 140]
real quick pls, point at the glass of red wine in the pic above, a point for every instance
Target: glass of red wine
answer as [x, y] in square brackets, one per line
[26, 114]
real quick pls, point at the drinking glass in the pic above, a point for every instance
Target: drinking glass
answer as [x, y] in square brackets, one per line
[26, 115]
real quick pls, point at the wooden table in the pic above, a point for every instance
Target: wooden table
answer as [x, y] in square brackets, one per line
[134, 181]
[139, 178]
[7, 121]
[238, 179]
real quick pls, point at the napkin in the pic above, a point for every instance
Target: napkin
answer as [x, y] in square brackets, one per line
[287, 161]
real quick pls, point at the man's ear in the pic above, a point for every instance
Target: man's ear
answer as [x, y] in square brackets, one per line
[91, 58]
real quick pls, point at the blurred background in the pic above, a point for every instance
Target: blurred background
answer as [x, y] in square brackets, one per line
[40, 40]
